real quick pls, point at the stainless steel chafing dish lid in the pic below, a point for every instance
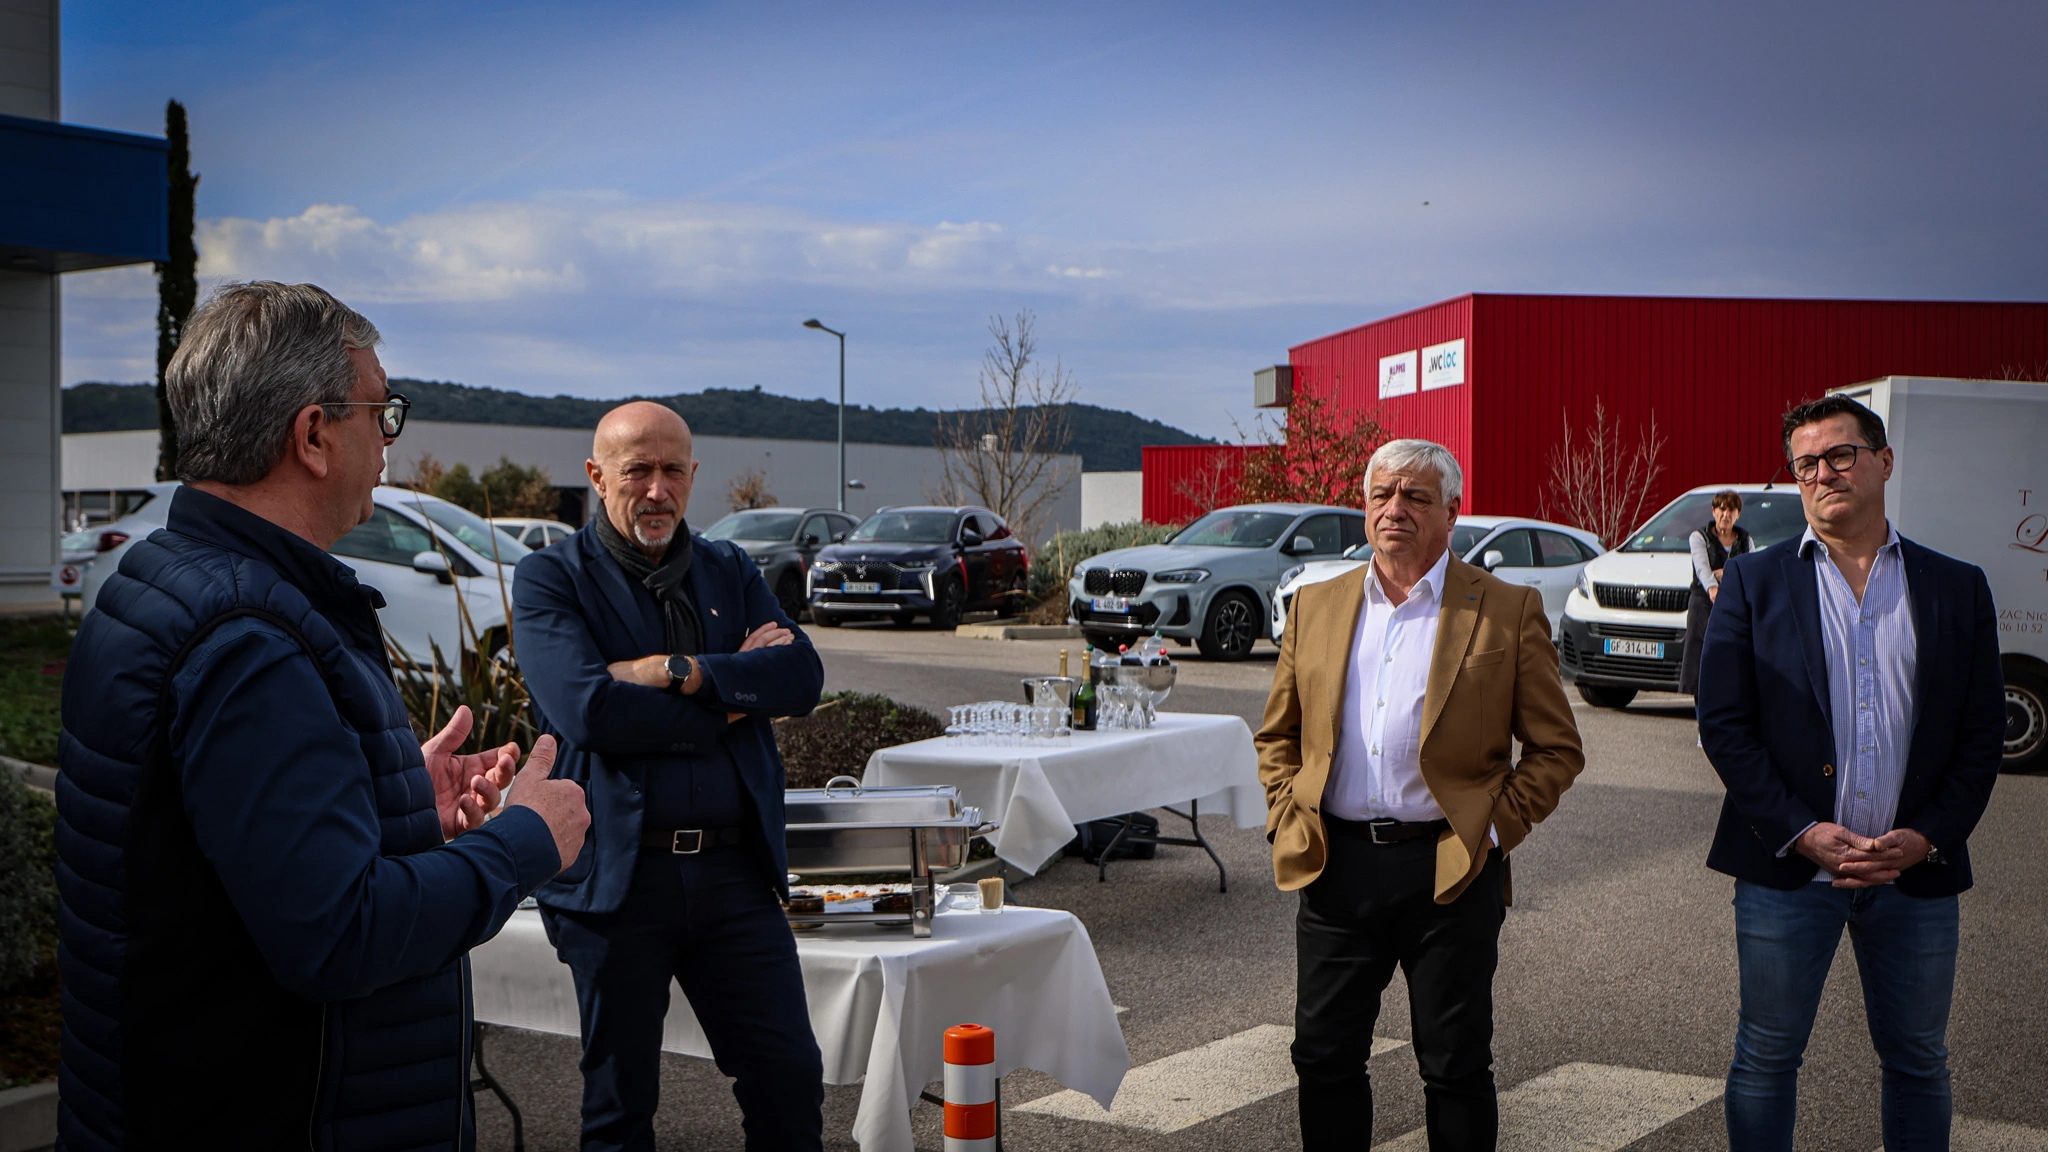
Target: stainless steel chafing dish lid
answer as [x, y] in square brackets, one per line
[843, 801]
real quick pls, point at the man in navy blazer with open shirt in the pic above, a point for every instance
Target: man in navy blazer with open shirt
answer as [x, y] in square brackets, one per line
[597, 645]
[1768, 721]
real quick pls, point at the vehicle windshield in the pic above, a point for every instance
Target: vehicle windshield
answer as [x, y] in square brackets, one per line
[474, 531]
[906, 528]
[1768, 517]
[1234, 528]
[1465, 537]
[755, 526]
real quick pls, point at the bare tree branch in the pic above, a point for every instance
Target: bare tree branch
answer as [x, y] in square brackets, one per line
[1600, 484]
[1005, 455]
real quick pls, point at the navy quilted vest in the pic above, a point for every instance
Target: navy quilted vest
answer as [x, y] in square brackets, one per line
[176, 1032]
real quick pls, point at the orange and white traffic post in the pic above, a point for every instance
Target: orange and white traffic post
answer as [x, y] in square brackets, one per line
[971, 1122]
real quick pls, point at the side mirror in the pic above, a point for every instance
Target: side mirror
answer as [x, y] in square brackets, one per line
[1492, 559]
[969, 538]
[809, 540]
[433, 564]
[1299, 546]
[839, 537]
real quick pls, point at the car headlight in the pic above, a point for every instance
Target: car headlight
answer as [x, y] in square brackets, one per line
[1081, 571]
[1182, 576]
[917, 565]
[1291, 573]
[1585, 584]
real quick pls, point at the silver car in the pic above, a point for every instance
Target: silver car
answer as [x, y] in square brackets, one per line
[1212, 583]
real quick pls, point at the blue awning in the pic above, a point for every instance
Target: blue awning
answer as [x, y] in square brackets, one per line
[73, 198]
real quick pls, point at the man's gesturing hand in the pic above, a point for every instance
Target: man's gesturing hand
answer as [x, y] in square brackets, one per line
[466, 787]
[559, 802]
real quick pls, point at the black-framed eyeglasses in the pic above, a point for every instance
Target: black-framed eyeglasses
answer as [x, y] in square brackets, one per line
[390, 411]
[1841, 458]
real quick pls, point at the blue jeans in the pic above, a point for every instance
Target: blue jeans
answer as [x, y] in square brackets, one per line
[1906, 955]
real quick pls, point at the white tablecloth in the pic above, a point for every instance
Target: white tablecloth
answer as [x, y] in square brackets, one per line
[880, 1004]
[1039, 790]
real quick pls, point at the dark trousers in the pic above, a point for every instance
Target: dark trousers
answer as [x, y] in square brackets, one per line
[712, 923]
[1371, 909]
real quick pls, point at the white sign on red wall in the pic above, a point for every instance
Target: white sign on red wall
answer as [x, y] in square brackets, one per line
[1398, 374]
[1443, 365]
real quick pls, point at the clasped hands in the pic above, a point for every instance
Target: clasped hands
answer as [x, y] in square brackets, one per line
[652, 671]
[1859, 861]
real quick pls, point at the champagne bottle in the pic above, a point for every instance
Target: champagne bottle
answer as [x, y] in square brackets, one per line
[1084, 697]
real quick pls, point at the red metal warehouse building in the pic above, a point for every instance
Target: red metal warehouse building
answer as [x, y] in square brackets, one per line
[1494, 377]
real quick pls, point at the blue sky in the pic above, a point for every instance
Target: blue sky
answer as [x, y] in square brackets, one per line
[609, 198]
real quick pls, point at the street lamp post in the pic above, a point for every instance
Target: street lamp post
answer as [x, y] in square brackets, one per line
[842, 407]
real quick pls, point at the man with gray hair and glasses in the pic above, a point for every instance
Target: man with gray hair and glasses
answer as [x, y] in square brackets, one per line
[269, 884]
[1394, 798]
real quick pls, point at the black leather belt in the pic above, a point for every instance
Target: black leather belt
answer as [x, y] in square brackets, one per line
[690, 841]
[1386, 831]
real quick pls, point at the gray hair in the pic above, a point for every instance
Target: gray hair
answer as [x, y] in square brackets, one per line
[1407, 455]
[248, 362]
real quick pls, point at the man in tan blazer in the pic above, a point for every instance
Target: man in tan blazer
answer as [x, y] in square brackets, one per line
[1393, 799]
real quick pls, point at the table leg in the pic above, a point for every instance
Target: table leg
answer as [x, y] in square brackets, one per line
[484, 1079]
[1197, 840]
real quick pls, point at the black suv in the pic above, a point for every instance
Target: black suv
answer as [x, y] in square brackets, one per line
[783, 542]
[902, 563]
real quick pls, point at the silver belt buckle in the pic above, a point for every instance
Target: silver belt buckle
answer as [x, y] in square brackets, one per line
[1376, 825]
[696, 845]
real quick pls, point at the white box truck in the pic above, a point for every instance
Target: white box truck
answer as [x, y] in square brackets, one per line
[1972, 481]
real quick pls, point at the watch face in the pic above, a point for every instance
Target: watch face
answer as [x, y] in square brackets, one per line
[678, 668]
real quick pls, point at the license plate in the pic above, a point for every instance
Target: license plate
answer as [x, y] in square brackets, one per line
[1647, 649]
[863, 586]
[1109, 604]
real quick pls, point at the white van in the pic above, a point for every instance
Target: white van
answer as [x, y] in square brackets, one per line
[1623, 630]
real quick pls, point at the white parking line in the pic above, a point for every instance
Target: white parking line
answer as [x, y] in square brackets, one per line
[1186, 1088]
[1586, 1108]
[1967, 1135]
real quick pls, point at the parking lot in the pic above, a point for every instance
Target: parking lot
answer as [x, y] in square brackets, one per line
[1615, 998]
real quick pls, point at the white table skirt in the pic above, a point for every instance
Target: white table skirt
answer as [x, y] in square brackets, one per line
[880, 1004]
[1039, 790]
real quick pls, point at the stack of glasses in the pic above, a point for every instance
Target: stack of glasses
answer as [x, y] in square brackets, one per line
[994, 722]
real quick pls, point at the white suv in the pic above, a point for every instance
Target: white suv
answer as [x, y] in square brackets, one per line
[1624, 625]
[419, 551]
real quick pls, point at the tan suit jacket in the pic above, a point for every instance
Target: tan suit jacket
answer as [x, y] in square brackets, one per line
[1493, 678]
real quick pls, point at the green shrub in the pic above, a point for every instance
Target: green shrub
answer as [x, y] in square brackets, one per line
[28, 877]
[838, 738]
[1055, 559]
[32, 654]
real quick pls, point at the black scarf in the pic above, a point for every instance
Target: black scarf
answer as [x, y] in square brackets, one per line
[668, 580]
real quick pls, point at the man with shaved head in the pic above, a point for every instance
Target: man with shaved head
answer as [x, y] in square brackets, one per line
[657, 658]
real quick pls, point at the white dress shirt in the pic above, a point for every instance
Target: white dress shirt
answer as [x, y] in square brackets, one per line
[1376, 771]
[1871, 651]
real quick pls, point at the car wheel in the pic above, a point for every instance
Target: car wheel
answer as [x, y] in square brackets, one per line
[2026, 722]
[789, 592]
[1606, 695]
[952, 604]
[1232, 627]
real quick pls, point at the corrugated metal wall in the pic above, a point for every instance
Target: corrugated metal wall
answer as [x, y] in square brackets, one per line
[1171, 472]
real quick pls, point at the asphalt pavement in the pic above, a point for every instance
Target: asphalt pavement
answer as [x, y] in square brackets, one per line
[1615, 1001]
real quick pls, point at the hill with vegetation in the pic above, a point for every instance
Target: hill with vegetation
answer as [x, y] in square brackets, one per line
[1106, 439]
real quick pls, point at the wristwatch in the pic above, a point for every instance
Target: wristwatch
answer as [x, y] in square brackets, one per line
[1934, 855]
[680, 668]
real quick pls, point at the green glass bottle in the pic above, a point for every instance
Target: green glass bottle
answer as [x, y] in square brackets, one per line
[1084, 697]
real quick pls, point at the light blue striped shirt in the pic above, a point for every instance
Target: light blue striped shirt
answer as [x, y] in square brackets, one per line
[1871, 652]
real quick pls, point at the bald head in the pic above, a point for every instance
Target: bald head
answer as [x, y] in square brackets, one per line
[642, 468]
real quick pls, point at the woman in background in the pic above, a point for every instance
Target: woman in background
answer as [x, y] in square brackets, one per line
[1711, 548]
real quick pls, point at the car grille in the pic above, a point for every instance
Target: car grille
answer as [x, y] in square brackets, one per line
[1640, 598]
[889, 576]
[1113, 582]
[1639, 632]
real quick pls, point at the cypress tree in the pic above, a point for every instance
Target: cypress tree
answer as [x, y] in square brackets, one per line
[177, 282]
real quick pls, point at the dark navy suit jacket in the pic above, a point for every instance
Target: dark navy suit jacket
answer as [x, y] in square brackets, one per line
[574, 610]
[1766, 723]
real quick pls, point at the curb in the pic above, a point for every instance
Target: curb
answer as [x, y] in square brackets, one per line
[1018, 631]
[35, 776]
[28, 1117]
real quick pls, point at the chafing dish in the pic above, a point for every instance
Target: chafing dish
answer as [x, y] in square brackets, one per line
[845, 829]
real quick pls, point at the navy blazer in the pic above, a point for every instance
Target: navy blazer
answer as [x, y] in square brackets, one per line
[574, 611]
[1765, 719]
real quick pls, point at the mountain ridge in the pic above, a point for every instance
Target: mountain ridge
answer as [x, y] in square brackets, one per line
[1106, 439]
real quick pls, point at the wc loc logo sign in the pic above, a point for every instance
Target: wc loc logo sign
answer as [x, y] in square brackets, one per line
[1443, 365]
